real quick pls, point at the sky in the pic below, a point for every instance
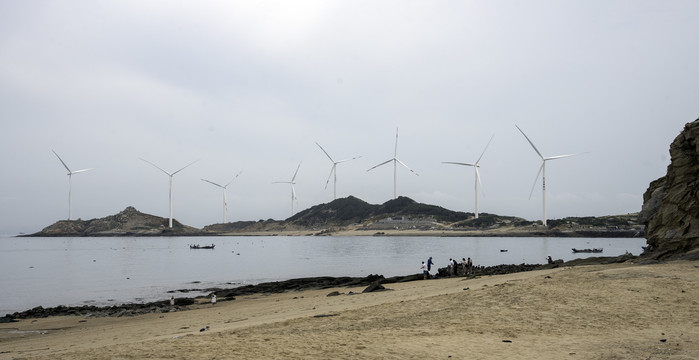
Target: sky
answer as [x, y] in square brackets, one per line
[249, 87]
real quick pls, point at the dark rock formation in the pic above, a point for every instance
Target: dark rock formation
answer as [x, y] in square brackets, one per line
[97, 311]
[488, 270]
[375, 286]
[671, 204]
[129, 222]
[323, 282]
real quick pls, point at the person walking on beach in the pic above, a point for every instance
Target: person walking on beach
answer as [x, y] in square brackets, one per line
[424, 271]
[469, 266]
[213, 298]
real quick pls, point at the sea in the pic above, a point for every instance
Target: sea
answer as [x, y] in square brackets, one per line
[104, 271]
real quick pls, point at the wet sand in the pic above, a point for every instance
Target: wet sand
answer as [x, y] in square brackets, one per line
[618, 311]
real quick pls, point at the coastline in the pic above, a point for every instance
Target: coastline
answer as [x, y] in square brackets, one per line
[620, 310]
[498, 232]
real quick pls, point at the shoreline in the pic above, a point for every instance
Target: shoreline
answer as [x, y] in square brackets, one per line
[620, 310]
[297, 284]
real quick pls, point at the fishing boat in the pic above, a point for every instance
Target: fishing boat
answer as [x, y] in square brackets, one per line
[202, 246]
[595, 250]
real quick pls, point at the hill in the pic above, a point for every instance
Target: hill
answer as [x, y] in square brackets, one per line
[404, 216]
[351, 216]
[129, 222]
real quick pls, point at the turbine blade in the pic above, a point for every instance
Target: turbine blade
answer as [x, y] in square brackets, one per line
[185, 167]
[158, 167]
[480, 183]
[530, 142]
[341, 161]
[326, 153]
[560, 156]
[329, 176]
[83, 170]
[486, 148]
[406, 166]
[297, 171]
[536, 179]
[61, 160]
[395, 151]
[211, 182]
[383, 163]
[457, 163]
[236, 175]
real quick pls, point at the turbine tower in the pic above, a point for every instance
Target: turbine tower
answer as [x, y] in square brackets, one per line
[333, 170]
[542, 172]
[293, 191]
[475, 165]
[170, 175]
[70, 184]
[224, 193]
[396, 161]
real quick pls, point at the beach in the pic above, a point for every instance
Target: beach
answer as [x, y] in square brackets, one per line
[617, 311]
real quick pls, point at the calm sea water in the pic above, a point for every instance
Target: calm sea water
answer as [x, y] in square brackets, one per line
[111, 271]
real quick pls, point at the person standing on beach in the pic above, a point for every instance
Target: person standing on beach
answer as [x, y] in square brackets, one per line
[469, 266]
[424, 271]
[429, 264]
[213, 298]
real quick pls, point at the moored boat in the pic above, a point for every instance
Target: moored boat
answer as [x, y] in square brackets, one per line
[595, 250]
[202, 246]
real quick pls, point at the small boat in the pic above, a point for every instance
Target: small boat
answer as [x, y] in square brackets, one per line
[503, 250]
[202, 246]
[595, 250]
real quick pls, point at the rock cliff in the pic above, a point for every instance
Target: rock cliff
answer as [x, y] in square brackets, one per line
[671, 204]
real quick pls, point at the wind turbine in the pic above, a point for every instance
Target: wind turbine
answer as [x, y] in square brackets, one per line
[170, 175]
[224, 193]
[70, 184]
[333, 170]
[542, 172]
[475, 165]
[293, 191]
[395, 162]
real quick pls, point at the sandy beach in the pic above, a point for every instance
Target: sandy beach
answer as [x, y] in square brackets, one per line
[619, 311]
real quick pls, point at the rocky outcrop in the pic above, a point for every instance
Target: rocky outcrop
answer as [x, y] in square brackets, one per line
[671, 204]
[129, 222]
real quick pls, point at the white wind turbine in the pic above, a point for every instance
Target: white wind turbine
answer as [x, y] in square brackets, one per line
[475, 165]
[542, 172]
[225, 203]
[333, 170]
[170, 175]
[293, 191]
[70, 184]
[395, 162]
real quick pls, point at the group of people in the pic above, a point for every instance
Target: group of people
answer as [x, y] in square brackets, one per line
[465, 265]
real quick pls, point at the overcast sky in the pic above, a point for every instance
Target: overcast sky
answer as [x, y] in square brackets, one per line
[251, 86]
